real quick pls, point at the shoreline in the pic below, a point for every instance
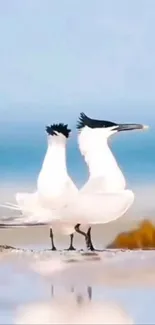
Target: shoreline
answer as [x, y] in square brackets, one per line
[111, 269]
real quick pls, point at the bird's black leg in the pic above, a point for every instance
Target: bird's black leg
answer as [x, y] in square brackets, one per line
[77, 229]
[89, 241]
[52, 291]
[52, 240]
[71, 247]
[89, 290]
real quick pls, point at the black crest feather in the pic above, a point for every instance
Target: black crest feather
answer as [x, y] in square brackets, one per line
[60, 128]
[84, 120]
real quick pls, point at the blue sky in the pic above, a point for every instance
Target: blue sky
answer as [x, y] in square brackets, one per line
[61, 56]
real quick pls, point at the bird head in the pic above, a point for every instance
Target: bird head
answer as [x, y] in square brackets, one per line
[105, 128]
[58, 132]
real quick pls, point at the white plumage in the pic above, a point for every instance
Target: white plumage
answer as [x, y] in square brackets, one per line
[101, 200]
[89, 209]
[54, 189]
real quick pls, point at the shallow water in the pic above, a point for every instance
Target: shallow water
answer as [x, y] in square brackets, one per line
[126, 278]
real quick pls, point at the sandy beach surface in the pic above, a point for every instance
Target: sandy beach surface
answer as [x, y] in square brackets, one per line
[32, 273]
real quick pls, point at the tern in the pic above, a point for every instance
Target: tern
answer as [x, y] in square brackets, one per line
[105, 175]
[54, 186]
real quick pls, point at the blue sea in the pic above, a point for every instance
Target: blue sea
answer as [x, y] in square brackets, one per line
[22, 149]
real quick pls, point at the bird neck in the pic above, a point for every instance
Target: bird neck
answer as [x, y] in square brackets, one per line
[102, 163]
[54, 163]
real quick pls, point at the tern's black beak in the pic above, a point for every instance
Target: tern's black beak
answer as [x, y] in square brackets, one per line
[130, 127]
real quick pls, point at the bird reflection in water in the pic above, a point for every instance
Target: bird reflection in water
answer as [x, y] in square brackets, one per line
[79, 297]
[74, 309]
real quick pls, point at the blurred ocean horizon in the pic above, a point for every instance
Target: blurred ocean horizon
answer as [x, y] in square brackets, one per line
[22, 153]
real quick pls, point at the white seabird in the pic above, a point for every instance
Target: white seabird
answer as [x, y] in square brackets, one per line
[105, 175]
[54, 187]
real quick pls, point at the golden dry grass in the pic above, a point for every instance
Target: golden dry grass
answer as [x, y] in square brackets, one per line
[141, 238]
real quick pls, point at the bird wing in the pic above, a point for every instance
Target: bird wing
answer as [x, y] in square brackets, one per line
[37, 210]
[95, 185]
[27, 201]
[42, 217]
[97, 208]
[57, 226]
[33, 212]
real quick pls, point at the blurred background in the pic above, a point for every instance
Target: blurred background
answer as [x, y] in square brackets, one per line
[58, 58]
